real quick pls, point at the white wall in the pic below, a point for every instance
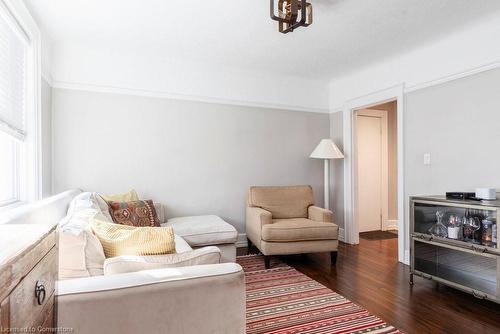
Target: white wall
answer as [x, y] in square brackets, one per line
[468, 51]
[127, 71]
[446, 121]
[473, 46]
[198, 158]
[458, 123]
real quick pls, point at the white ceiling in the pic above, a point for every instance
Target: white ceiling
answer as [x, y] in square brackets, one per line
[346, 34]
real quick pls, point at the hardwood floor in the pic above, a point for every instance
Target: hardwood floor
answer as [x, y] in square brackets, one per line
[369, 275]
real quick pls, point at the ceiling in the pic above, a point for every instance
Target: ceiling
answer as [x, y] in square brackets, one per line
[346, 34]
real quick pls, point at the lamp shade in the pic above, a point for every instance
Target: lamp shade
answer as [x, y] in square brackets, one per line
[326, 149]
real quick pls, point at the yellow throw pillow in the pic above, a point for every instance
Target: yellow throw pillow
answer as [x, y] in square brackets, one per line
[119, 239]
[129, 196]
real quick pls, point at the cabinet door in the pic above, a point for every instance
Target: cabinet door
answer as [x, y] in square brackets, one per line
[424, 220]
[477, 272]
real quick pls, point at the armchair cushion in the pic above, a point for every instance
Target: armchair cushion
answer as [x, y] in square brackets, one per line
[126, 264]
[298, 229]
[282, 202]
[320, 215]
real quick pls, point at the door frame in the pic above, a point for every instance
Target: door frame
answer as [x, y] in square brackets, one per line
[384, 168]
[351, 228]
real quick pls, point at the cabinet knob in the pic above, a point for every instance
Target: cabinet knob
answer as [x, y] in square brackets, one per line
[40, 292]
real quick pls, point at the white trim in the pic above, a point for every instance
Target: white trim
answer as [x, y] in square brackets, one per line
[184, 97]
[242, 240]
[341, 236]
[390, 224]
[48, 78]
[391, 93]
[439, 81]
[452, 77]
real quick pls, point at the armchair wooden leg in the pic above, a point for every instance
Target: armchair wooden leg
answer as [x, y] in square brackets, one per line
[267, 261]
[250, 245]
[333, 256]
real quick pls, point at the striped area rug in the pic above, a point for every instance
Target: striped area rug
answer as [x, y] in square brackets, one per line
[281, 300]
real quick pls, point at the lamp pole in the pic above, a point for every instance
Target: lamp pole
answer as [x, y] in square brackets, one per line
[327, 184]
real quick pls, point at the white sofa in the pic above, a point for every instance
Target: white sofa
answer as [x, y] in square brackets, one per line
[192, 299]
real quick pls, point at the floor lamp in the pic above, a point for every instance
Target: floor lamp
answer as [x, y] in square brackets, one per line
[327, 150]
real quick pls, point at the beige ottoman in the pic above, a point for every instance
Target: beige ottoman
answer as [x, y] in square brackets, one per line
[199, 231]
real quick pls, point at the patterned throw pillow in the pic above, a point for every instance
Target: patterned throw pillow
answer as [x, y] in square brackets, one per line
[134, 213]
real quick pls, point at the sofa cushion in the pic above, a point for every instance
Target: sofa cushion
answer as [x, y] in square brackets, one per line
[181, 245]
[134, 213]
[282, 202]
[203, 230]
[127, 264]
[119, 239]
[298, 229]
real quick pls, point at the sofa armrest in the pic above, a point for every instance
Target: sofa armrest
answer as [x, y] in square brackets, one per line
[319, 214]
[198, 299]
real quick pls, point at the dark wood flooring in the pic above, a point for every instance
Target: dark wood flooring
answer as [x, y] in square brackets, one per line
[369, 275]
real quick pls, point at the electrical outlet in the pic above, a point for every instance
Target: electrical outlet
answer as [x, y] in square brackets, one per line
[427, 158]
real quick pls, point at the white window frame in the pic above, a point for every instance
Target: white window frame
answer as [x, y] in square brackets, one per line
[28, 152]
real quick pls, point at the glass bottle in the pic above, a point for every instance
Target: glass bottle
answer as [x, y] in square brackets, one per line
[487, 232]
[438, 229]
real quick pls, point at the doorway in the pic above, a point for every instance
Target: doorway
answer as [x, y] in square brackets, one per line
[375, 171]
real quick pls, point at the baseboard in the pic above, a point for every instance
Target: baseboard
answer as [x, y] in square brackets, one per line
[341, 234]
[391, 224]
[242, 240]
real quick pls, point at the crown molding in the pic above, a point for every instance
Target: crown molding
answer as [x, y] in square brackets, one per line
[177, 96]
[435, 82]
[452, 77]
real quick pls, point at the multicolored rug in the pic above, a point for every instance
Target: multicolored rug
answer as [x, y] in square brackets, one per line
[281, 300]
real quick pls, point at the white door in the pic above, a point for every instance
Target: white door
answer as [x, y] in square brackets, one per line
[369, 152]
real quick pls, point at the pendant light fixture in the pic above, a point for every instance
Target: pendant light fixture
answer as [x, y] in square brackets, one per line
[291, 14]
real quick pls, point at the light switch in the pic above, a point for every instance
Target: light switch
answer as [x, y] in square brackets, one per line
[427, 158]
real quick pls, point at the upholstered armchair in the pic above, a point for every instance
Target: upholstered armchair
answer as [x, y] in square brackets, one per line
[284, 220]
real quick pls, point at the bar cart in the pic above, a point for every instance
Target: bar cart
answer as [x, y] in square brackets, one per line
[455, 242]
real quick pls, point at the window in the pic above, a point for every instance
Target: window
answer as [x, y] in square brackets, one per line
[18, 111]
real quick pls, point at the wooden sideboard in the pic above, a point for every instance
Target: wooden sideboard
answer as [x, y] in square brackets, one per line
[28, 272]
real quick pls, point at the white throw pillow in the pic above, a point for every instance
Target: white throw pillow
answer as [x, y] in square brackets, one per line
[80, 252]
[127, 264]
